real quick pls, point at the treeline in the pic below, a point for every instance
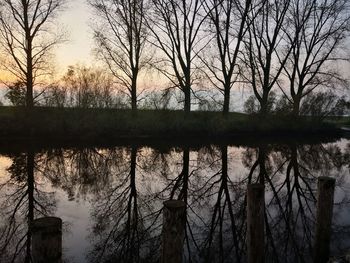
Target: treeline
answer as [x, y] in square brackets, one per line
[288, 53]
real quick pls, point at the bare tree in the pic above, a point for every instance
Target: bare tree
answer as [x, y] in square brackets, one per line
[318, 29]
[121, 39]
[227, 21]
[87, 87]
[27, 38]
[267, 51]
[176, 25]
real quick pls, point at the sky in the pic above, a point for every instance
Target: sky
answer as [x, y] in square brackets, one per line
[75, 20]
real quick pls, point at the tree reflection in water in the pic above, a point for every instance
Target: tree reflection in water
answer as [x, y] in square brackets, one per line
[22, 200]
[126, 187]
[124, 221]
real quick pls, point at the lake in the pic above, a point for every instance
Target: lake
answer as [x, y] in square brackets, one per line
[110, 197]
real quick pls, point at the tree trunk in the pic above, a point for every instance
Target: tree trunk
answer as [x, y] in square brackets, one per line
[134, 94]
[296, 105]
[29, 75]
[29, 78]
[226, 108]
[29, 93]
[187, 106]
[263, 108]
[264, 104]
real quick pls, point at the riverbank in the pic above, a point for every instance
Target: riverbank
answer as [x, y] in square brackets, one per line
[111, 124]
[339, 121]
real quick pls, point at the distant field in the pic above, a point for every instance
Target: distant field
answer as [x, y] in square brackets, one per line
[106, 124]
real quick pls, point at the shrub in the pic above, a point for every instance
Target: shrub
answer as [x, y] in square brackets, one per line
[16, 94]
[323, 104]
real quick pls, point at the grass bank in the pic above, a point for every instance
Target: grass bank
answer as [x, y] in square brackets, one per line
[107, 124]
[339, 121]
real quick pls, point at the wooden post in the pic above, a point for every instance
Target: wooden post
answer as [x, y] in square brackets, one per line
[47, 240]
[325, 198]
[173, 235]
[256, 223]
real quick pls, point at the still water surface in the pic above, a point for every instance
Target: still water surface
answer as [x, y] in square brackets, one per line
[110, 198]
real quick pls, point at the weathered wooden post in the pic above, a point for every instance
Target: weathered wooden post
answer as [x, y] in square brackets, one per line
[256, 223]
[325, 198]
[173, 235]
[47, 240]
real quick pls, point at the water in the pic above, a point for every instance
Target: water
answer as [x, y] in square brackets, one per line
[110, 197]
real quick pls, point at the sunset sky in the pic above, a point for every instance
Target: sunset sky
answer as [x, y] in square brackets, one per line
[76, 20]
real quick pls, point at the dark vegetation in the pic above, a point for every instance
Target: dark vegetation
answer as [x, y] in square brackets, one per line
[285, 53]
[339, 121]
[105, 124]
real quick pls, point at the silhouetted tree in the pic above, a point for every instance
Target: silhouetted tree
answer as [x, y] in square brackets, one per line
[266, 52]
[176, 25]
[227, 24]
[121, 40]
[27, 37]
[317, 32]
